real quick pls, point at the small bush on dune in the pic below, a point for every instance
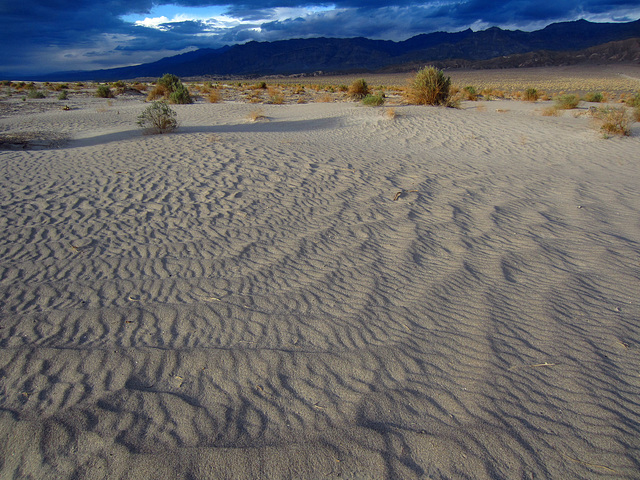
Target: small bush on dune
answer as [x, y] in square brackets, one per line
[613, 120]
[104, 91]
[169, 87]
[531, 95]
[158, 118]
[470, 93]
[430, 87]
[567, 102]
[180, 95]
[373, 100]
[636, 114]
[33, 93]
[214, 96]
[596, 97]
[63, 95]
[358, 89]
[634, 101]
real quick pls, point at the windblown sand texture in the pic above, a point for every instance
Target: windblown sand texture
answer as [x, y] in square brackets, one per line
[324, 293]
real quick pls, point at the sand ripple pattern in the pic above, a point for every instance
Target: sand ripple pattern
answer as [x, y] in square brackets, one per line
[248, 300]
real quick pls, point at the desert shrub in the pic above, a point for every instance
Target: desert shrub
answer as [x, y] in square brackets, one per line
[169, 87]
[358, 89]
[373, 100]
[567, 102]
[634, 101]
[158, 118]
[104, 91]
[550, 112]
[430, 87]
[63, 95]
[613, 120]
[180, 95]
[214, 96]
[636, 114]
[531, 95]
[594, 97]
[343, 88]
[261, 85]
[34, 93]
[470, 93]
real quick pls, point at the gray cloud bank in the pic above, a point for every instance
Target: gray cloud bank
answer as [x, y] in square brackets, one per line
[51, 35]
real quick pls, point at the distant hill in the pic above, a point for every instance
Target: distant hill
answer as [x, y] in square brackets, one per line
[559, 43]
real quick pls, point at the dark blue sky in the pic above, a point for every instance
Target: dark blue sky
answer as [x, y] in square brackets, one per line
[52, 35]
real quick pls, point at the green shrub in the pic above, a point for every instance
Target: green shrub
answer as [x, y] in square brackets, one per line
[531, 95]
[567, 102]
[470, 93]
[158, 118]
[169, 87]
[63, 95]
[104, 91]
[358, 89]
[261, 85]
[180, 95]
[34, 93]
[594, 97]
[613, 121]
[430, 87]
[373, 100]
[634, 101]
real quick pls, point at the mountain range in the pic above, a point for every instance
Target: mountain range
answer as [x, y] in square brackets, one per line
[558, 43]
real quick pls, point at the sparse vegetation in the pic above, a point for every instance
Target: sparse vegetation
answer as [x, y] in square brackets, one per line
[169, 87]
[567, 101]
[63, 95]
[531, 95]
[634, 101]
[214, 96]
[550, 112]
[104, 91]
[613, 121]
[35, 93]
[430, 87]
[373, 100]
[358, 89]
[158, 118]
[470, 93]
[596, 97]
[256, 115]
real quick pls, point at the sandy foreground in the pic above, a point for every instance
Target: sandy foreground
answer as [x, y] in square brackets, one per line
[326, 293]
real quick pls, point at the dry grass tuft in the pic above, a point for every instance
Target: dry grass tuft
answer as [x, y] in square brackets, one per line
[550, 112]
[390, 113]
[256, 115]
[214, 96]
[613, 121]
[359, 89]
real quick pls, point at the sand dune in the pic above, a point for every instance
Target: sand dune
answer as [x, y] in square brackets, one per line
[327, 293]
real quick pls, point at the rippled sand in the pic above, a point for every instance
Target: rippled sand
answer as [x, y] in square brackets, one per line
[327, 293]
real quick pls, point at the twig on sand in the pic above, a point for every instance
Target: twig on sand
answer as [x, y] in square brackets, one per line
[535, 365]
[593, 465]
[402, 192]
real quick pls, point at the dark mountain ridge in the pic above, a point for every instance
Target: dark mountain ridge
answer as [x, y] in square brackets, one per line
[335, 55]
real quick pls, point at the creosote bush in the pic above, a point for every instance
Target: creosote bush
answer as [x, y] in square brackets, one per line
[358, 89]
[596, 97]
[104, 91]
[613, 121]
[430, 87]
[33, 93]
[373, 100]
[567, 102]
[531, 95]
[169, 87]
[158, 118]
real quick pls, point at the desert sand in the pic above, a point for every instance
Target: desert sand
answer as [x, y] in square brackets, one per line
[327, 292]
